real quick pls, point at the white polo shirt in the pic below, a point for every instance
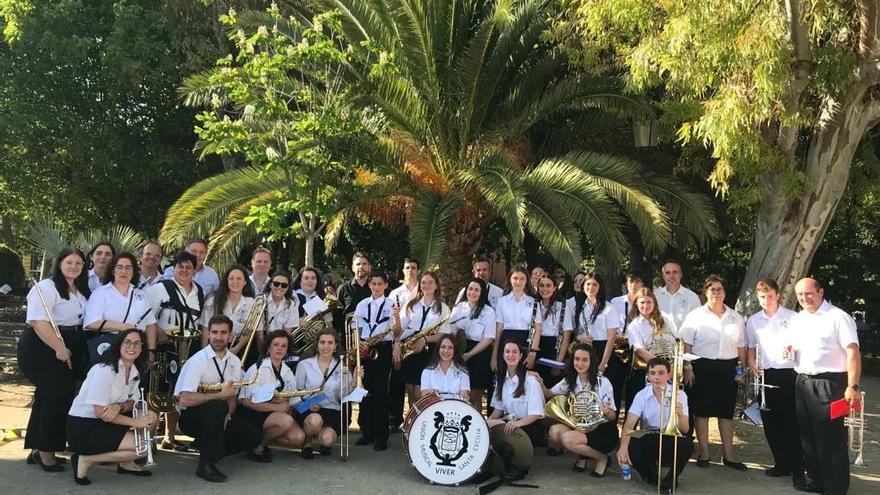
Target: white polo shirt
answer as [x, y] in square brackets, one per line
[623, 306]
[205, 367]
[66, 312]
[103, 387]
[94, 281]
[557, 321]
[711, 336]
[772, 336]
[677, 306]
[282, 315]
[646, 407]
[107, 303]
[475, 329]
[495, 293]
[422, 316]
[515, 314]
[530, 403]
[402, 295]
[373, 317]
[821, 339]
[309, 375]
[268, 380]
[603, 388]
[608, 319]
[449, 384]
[238, 314]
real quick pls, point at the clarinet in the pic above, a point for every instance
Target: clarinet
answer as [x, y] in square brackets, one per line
[531, 330]
[559, 329]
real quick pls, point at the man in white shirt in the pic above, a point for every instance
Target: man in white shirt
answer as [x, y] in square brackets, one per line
[767, 334]
[261, 264]
[624, 304]
[205, 276]
[399, 297]
[675, 300]
[481, 271]
[151, 256]
[829, 365]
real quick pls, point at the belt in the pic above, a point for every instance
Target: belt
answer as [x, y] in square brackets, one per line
[515, 330]
[830, 375]
[71, 328]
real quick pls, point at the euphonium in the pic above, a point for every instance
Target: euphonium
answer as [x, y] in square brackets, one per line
[855, 424]
[163, 371]
[408, 345]
[660, 343]
[283, 395]
[251, 324]
[304, 339]
[143, 439]
[581, 411]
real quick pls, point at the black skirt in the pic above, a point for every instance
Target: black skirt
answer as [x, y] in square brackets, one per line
[548, 350]
[91, 436]
[478, 367]
[604, 438]
[330, 417]
[411, 367]
[714, 392]
[256, 418]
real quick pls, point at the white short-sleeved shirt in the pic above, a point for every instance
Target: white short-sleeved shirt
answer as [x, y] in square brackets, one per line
[258, 286]
[301, 301]
[66, 312]
[516, 315]
[107, 303]
[476, 329]
[821, 339]
[623, 306]
[402, 295]
[640, 328]
[677, 306]
[167, 317]
[495, 293]
[103, 387]
[309, 375]
[205, 367]
[711, 336]
[449, 384]
[422, 316]
[267, 378]
[206, 277]
[550, 323]
[145, 282]
[603, 388]
[772, 336]
[530, 403]
[94, 280]
[238, 314]
[283, 315]
[373, 317]
[606, 320]
[647, 408]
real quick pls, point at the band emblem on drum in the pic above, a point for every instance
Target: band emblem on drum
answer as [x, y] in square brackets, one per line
[452, 435]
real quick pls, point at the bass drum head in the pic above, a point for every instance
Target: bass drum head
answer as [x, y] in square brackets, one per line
[448, 442]
[414, 410]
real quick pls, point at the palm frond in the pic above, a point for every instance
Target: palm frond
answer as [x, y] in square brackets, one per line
[227, 241]
[503, 189]
[689, 211]
[48, 235]
[429, 228]
[552, 225]
[122, 237]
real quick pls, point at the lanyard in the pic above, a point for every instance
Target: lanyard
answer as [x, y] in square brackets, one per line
[425, 311]
[278, 376]
[217, 366]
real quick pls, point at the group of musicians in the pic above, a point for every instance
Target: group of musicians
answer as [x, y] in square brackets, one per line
[521, 348]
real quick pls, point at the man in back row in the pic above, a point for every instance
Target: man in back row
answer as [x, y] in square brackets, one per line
[204, 275]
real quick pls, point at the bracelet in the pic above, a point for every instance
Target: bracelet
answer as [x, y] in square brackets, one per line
[533, 350]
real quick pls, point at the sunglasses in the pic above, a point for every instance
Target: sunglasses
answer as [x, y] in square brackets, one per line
[280, 285]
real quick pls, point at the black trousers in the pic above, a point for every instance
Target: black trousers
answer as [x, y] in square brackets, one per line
[615, 372]
[55, 389]
[824, 442]
[780, 421]
[373, 417]
[205, 423]
[396, 395]
[634, 384]
[643, 453]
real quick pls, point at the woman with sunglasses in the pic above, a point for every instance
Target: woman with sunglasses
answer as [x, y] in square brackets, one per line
[282, 309]
[99, 424]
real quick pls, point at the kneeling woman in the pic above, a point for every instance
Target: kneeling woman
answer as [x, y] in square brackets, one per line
[651, 409]
[581, 374]
[445, 374]
[273, 416]
[99, 424]
[518, 398]
[322, 421]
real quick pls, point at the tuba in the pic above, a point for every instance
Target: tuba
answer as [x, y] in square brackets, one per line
[660, 343]
[407, 346]
[581, 411]
[163, 372]
[304, 339]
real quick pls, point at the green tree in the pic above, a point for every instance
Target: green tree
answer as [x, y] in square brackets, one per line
[781, 92]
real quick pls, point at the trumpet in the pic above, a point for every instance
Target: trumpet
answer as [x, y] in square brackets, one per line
[143, 439]
[855, 424]
[758, 384]
[407, 345]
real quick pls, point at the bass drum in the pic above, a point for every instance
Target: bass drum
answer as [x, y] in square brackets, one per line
[447, 440]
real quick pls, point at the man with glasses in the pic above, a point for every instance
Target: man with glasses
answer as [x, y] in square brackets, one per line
[151, 256]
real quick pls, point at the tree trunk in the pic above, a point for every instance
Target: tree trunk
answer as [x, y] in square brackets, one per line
[8, 236]
[310, 248]
[455, 272]
[789, 230]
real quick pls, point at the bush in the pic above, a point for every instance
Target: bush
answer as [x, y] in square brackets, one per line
[11, 271]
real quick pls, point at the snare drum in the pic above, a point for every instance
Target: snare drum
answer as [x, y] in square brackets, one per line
[447, 440]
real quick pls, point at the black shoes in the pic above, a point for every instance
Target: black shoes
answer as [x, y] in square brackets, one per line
[734, 465]
[380, 445]
[777, 472]
[133, 472]
[580, 465]
[74, 462]
[325, 451]
[553, 452]
[209, 472]
[363, 441]
[307, 453]
[34, 458]
[702, 463]
[802, 484]
[595, 474]
[265, 455]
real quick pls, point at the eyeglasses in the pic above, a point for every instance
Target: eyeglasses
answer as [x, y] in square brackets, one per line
[280, 285]
[137, 344]
[716, 289]
[124, 268]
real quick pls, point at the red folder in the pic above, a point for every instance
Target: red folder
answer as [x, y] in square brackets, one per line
[839, 408]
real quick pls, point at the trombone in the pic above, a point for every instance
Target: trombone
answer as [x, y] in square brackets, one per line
[671, 428]
[352, 341]
[855, 424]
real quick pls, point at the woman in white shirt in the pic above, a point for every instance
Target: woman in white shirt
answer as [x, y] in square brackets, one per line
[518, 399]
[100, 257]
[445, 374]
[581, 373]
[99, 424]
[234, 298]
[646, 410]
[517, 319]
[555, 328]
[271, 416]
[308, 285]
[473, 316]
[282, 309]
[117, 305]
[715, 333]
[645, 317]
[596, 323]
[322, 421]
[54, 365]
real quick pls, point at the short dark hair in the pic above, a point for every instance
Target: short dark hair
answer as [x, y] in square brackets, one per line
[659, 361]
[712, 279]
[480, 259]
[220, 319]
[633, 276]
[672, 260]
[766, 284]
[410, 259]
[184, 256]
[275, 334]
[375, 274]
[194, 240]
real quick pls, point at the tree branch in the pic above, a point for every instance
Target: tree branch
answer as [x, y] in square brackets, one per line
[800, 41]
[869, 28]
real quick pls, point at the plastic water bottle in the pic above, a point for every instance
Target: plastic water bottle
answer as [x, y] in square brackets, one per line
[625, 473]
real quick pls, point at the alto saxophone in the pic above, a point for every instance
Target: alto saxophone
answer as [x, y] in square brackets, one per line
[216, 387]
[284, 395]
[408, 345]
[371, 343]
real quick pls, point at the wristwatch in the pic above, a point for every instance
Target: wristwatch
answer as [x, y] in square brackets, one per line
[855, 387]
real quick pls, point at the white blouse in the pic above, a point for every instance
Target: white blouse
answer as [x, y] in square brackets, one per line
[449, 384]
[206, 367]
[283, 315]
[550, 325]
[603, 388]
[66, 312]
[606, 320]
[515, 315]
[267, 382]
[94, 280]
[475, 329]
[103, 387]
[640, 328]
[422, 316]
[309, 375]
[401, 295]
[711, 336]
[238, 314]
[530, 403]
[771, 335]
[107, 303]
[495, 293]
[646, 407]
[373, 317]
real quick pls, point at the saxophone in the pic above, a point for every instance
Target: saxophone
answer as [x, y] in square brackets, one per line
[216, 387]
[407, 345]
[284, 395]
